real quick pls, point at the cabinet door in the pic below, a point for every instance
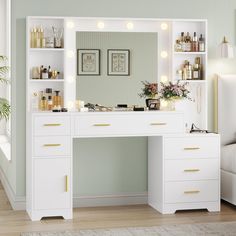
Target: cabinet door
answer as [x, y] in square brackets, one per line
[52, 186]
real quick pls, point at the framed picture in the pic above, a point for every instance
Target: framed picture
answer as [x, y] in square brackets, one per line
[88, 61]
[118, 62]
[154, 104]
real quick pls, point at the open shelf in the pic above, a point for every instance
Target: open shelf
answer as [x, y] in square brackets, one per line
[190, 53]
[46, 49]
[202, 81]
[46, 80]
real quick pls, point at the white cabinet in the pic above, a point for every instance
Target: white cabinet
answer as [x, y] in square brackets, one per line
[183, 172]
[52, 177]
[49, 166]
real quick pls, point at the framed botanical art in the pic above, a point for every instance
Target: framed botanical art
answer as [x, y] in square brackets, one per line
[118, 62]
[88, 61]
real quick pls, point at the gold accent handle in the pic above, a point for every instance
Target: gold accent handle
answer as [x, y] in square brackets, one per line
[158, 123]
[101, 125]
[192, 192]
[67, 183]
[52, 145]
[191, 148]
[191, 170]
[52, 125]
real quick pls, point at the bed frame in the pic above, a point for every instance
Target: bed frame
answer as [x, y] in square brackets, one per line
[226, 122]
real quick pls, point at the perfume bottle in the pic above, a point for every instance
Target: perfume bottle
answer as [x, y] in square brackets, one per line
[194, 43]
[188, 43]
[178, 47]
[182, 42]
[57, 100]
[43, 104]
[45, 73]
[201, 44]
[196, 72]
[35, 102]
[50, 103]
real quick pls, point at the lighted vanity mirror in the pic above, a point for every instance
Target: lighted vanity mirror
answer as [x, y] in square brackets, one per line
[146, 40]
[119, 88]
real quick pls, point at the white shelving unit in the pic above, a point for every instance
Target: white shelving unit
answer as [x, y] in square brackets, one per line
[49, 172]
[36, 57]
[195, 110]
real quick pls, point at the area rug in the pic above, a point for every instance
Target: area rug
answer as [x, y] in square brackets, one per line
[209, 229]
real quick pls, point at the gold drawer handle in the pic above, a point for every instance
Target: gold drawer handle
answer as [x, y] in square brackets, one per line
[192, 192]
[67, 183]
[52, 145]
[158, 123]
[191, 148]
[191, 170]
[101, 125]
[52, 125]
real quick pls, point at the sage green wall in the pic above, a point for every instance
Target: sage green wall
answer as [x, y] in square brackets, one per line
[221, 19]
[124, 89]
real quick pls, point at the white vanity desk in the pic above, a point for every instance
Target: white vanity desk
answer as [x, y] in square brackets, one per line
[182, 168]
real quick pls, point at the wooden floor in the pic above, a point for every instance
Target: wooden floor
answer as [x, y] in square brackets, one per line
[12, 223]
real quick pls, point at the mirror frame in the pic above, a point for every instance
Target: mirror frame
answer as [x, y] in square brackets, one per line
[72, 25]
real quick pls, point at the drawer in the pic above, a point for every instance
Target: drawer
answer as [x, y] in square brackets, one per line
[191, 191]
[191, 169]
[136, 123]
[191, 147]
[52, 146]
[51, 125]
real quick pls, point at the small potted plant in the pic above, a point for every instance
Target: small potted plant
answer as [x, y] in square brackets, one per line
[170, 92]
[4, 104]
[150, 91]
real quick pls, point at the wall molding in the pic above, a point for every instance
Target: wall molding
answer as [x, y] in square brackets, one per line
[19, 203]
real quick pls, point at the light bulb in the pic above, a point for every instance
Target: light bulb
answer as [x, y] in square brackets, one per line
[70, 54]
[130, 25]
[70, 105]
[164, 26]
[164, 54]
[164, 79]
[70, 79]
[70, 24]
[100, 25]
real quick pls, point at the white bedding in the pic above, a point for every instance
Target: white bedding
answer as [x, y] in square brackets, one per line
[228, 158]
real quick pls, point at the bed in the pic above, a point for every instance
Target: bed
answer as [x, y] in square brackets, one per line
[227, 128]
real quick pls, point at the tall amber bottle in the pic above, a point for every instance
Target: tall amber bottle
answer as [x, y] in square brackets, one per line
[57, 100]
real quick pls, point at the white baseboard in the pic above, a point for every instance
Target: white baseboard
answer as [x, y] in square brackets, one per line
[110, 200]
[17, 203]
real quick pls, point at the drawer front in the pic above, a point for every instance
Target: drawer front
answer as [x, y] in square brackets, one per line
[191, 147]
[191, 169]
[192, 191]
[52, 146]
[160, 123]
[128, 124]
[51, 125]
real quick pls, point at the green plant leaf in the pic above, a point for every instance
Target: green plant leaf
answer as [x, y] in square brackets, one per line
[5, 109]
